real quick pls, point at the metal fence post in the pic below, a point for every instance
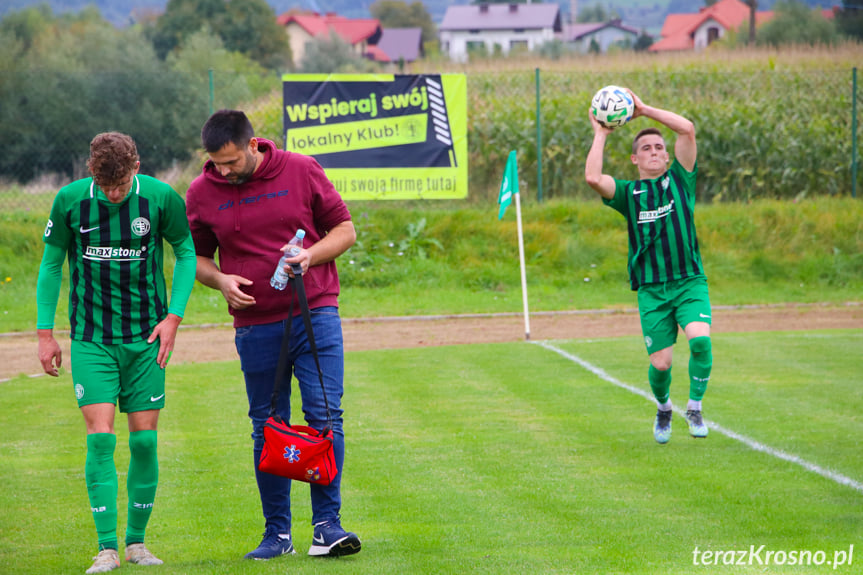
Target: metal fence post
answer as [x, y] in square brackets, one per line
[212, 90]
[538, 142]
[854, 132]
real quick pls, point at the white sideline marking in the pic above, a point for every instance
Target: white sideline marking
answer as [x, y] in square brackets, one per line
[5, 379]
[751, 443]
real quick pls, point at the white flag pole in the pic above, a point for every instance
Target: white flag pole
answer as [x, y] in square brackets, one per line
[521, 261]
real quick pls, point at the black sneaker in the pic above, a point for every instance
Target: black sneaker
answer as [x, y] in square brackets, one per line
[697, 427]
[272, 546]
[662, 426]
[330, 540]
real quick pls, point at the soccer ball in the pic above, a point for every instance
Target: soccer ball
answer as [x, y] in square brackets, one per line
[612, 106]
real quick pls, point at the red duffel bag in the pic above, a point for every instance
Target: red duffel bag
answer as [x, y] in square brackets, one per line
[298, 452]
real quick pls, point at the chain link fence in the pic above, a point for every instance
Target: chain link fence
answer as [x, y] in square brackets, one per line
[762, 133]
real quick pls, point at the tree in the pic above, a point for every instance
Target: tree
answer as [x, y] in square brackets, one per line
[753, 8]
[81, 76]
[26, 25]
[849, 18]
[250, 27]
[796, 23]
[332, 54]
[597, 13]
[398, 14]
[181, 19]
[245, 26]
[643, 42]
[237, 78]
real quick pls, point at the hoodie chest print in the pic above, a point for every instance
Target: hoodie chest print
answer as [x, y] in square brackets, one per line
[254, 200]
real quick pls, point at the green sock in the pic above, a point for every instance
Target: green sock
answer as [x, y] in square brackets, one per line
[101, 476]
[700, 365]
[141, 483]
[660, 383]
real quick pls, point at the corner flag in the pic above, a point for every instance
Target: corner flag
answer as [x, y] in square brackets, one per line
[509, 185]
[508, 189]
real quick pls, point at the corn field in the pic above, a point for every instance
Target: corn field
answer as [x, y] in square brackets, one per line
[768, 126]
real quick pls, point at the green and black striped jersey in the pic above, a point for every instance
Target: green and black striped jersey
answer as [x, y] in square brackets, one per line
[117, 288]
[660, 217]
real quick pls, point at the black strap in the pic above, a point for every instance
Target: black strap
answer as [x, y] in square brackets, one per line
[284, 354]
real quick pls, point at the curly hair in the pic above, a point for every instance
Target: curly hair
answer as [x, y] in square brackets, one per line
[113, 156]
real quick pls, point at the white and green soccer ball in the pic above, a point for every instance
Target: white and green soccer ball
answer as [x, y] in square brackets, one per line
[612, 106]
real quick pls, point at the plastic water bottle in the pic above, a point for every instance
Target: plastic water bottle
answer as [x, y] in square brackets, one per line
[280, 276]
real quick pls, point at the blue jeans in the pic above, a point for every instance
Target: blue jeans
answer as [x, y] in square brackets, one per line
[259, 347]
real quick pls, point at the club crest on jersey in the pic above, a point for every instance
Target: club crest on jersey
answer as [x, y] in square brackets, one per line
[140, 227]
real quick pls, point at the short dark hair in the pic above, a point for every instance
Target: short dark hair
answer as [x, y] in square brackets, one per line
[113, 156]
[645, 132]
[226, 126]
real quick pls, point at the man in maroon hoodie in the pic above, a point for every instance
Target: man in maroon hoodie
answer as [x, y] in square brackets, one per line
[249, 201]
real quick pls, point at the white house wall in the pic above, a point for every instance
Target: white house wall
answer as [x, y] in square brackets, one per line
[298, 38]
[456, 41]
[699, 38]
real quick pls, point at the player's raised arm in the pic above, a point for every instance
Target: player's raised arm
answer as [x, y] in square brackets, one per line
[685, 149]
[602, 183]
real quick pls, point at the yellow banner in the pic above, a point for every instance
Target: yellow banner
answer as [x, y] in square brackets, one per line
[382, 137]
[351, 136]
[398, 183]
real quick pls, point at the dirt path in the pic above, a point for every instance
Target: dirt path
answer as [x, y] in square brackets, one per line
[216, 343]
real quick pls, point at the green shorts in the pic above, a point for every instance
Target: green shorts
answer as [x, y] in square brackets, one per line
[664, 306]
[125, 374]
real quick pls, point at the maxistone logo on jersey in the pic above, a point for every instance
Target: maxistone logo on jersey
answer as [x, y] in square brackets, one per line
[109, 253]
[760, 555]
[647, 216]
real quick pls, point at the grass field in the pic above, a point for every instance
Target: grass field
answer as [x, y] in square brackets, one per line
[498, 458]
[760, 253]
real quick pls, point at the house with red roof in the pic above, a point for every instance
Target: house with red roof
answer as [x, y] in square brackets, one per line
[696, 31]
[303, 27]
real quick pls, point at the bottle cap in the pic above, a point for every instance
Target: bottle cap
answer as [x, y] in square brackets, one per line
[301, 234]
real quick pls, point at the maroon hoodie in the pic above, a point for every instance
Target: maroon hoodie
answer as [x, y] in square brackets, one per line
[250, 222]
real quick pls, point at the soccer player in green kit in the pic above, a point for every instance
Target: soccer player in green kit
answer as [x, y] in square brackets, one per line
[111, 226]
[664, 261]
